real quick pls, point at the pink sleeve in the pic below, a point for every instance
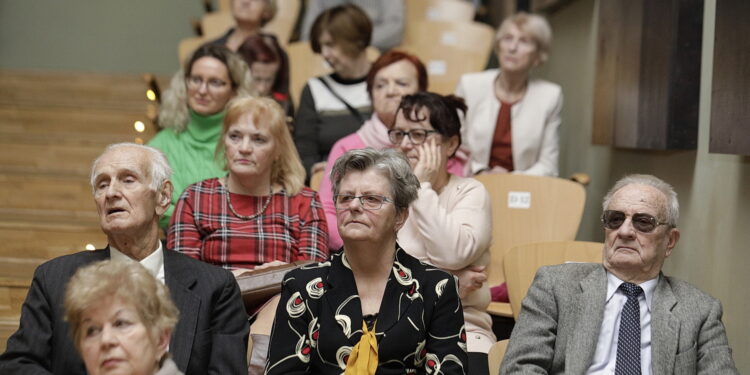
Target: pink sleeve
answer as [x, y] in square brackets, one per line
[326, 197]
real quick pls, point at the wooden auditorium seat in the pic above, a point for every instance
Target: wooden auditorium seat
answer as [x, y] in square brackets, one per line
[440, 10]
[522, 261]
[448, 49]
[496, 354]
[528, 209]
[187, 46]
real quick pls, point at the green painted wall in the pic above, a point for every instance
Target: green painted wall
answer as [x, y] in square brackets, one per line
[131, 36]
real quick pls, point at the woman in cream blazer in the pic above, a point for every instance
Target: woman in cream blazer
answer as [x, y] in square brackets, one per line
[522, 43]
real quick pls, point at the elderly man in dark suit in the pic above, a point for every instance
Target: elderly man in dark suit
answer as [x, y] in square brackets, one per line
[132, 190]
[623, 316]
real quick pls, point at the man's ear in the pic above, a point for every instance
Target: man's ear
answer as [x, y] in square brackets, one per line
[674, 236]
[164, 197]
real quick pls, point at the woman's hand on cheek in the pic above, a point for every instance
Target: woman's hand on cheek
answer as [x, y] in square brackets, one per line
[428, 166]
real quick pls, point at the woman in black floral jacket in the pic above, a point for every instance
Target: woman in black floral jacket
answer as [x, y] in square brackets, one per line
[371, 308]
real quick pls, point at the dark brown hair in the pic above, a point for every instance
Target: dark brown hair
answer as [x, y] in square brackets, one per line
[266, 49]
[443, 111]
[348, 26]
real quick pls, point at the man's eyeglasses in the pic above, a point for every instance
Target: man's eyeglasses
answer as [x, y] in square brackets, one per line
[643, 223]
[368, 201]
[417, 136]
[195, 82]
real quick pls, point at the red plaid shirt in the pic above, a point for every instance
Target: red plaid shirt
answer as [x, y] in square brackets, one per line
[203, 227]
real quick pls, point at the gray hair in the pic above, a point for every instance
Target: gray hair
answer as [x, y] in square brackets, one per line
[535, 26]
[159, 169]
[390, 162]
[672, 207]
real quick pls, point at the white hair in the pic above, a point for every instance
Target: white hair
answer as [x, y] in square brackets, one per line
[159, 169]
[672, 207]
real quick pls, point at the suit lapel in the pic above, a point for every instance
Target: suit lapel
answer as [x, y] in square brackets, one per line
[665, 328]
[403, 287]
[180, 282]
[581, 348]
[342, 297]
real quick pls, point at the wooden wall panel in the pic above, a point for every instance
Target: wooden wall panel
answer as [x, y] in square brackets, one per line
[730, 108]
[648, 74]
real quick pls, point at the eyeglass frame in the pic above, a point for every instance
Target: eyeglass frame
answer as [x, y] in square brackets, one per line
[196, 82]
[408, 134]
[361, 202]
[651, 218]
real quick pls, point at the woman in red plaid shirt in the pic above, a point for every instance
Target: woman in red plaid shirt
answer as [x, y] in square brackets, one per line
[260, 214]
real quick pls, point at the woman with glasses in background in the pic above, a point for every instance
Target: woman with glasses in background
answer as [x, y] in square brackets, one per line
[393, 75]
[450, 222]
[371, 307]
[192, 112]
[513, 120]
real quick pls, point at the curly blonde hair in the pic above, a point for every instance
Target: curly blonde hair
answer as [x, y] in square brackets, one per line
[287, 169]
[174, 113]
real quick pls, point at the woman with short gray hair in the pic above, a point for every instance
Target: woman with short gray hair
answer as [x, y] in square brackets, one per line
[371, 307]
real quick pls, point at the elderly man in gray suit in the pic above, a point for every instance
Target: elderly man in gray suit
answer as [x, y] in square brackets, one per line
[132, 189]
[623, 316]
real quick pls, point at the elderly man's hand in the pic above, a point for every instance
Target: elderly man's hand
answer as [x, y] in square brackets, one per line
[470, 279]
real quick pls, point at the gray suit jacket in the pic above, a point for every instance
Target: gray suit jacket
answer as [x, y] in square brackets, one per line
[210, 336]
[558, 328]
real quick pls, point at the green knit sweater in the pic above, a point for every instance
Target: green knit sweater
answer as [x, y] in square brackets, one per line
[190, 154]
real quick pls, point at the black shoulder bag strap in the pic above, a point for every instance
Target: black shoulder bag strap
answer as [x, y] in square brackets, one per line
[351, 109]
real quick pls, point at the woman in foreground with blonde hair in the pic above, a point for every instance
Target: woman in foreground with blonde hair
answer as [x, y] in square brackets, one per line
[122, 330]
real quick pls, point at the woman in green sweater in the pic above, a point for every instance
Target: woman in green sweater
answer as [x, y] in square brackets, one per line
[192, 113]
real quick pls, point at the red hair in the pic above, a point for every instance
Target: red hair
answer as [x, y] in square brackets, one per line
[391, 57]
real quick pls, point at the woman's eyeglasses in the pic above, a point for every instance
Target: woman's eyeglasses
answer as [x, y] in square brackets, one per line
[195, 82]
[417, 136]
[643, 223]
[368, 201]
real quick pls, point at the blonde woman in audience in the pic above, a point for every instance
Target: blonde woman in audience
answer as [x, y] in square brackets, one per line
[371, 308]
[393, 75]
[259, 213]
[192, 113]
[450, 223]
[513, 120]
[334, 106]
[121, 319]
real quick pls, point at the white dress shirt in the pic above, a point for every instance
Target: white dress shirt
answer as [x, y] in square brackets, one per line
[605, 355]
[154, 262]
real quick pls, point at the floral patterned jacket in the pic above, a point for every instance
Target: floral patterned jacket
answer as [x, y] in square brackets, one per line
[420, 326]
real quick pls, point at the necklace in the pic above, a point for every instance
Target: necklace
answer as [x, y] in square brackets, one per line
[253, 216]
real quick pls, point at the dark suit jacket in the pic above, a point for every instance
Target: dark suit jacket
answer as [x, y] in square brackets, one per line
[558, 328]
[210, 337]
[419, 329]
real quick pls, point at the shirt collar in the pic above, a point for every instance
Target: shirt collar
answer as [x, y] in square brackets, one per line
[613, 283]
[154, 262]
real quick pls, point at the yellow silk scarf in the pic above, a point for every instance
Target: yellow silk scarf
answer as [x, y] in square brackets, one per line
[364, 357]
